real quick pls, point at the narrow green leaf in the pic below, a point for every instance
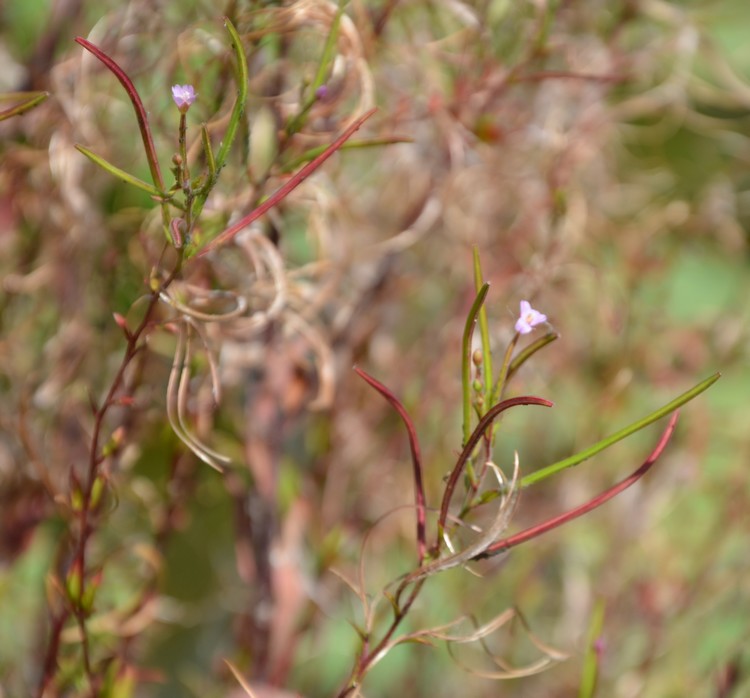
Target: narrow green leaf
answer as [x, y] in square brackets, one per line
[326, 58]
[502, 377]
[120, 174]
[363, 634]
[488, 496]
[284, 190]
[471, 320]
[6, 97]
[239, 105]
[485, 332]
[324, 68]
[28, 101]
[620, 435]
[394, 603]
[140, 113]
[523, 356]
[210, 160]
[238, 110]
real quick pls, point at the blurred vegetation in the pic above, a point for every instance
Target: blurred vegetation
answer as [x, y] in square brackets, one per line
[597, 155]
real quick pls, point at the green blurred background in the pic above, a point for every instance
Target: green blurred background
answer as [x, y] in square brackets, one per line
[596, 153]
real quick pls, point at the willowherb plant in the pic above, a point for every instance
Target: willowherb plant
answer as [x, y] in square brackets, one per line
[483, 402]
[200, 305]
[193, 311]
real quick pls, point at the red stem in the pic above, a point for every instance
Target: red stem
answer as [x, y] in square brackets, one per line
[367, 658]
[539, 529]
[283, 191]
[416, 458]
[140, 112]
[95, 460]
[476, 435]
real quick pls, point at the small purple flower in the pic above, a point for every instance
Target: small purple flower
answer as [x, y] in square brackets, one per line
[183, 96]
[529, 318]
[322, 92]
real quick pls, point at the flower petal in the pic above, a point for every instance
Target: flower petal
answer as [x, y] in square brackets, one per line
[183, 96]
[529, 318]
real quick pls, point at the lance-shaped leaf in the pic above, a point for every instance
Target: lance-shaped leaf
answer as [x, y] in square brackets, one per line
[476, 435]
[324, 68]
[282, 192]
[525, 354]
[25, 102]
[416, 457]
[485, 334]
[140, 111]
[120, 174]
[557, 521]
[620, 435]
[241, 80]
[471, 320]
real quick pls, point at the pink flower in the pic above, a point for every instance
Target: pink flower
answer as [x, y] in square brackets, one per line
[183, 96]
[529, 318]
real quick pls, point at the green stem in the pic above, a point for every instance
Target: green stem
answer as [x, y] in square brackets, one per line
[591, 660]
[184, 172]
[502, 378]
